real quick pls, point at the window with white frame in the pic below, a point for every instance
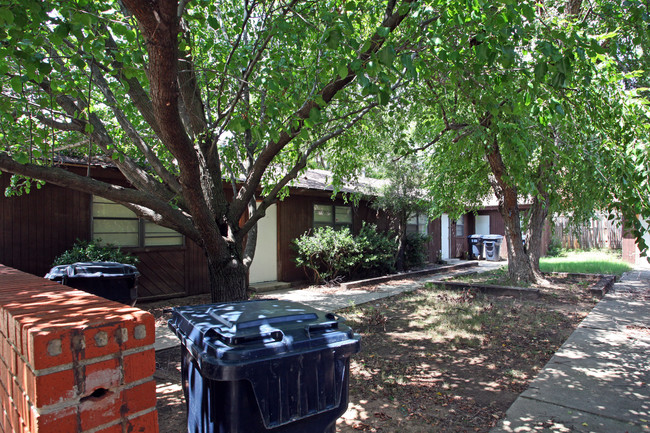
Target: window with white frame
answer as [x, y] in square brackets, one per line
[116, 224]
[418, 223]
[327, 215]
[460, 226]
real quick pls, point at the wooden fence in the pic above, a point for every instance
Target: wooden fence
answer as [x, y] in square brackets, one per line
[597, 233]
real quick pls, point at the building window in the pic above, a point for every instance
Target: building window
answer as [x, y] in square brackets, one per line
[460, 226]
[116, 224]
[327, 215]
[418, 223]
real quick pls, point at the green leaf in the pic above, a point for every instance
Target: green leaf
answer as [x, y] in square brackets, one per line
[383, 32]
[333, 38]
[384, 98]
[83, 18]
[404, 8]
[363, 80]
[343, 71]
[387, 56]
[482, 51]
[16, 84]
[214, 22]
[540, 71]
[314, 114]
[6, 16]
[558, 80]
[558, 108]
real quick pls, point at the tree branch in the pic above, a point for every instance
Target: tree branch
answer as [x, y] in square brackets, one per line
[293, 173]
[132, 133]
[392, 21]
[160, 212]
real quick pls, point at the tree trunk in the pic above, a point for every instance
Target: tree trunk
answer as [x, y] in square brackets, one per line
[539, 213]
[228, 279]
[519, 267]
[401, 244]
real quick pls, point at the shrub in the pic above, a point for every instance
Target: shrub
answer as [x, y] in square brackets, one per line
[554, 247]
[415, 253]
[92, 251]
[328, 253]
[377, 250]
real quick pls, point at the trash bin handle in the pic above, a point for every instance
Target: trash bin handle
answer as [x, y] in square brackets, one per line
[276, 335]
[319, 327]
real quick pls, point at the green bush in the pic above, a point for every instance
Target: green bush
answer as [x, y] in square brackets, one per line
[377, 250]
[415, 253]
[92, 251]
[328, 253]
[554, 247]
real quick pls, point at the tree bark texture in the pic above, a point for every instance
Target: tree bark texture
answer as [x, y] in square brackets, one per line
[519, 266]
[228, 278]
[538, 215]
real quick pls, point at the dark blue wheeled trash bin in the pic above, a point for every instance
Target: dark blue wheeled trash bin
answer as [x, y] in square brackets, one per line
[263, 366]
[110, 280]
[475, 246]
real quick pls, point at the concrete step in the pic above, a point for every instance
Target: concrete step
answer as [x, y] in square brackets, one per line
[270, 286]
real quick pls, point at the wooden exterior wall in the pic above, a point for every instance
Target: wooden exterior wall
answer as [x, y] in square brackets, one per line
[435, 242]
[630, 249]
[37, 227]
[295, 217]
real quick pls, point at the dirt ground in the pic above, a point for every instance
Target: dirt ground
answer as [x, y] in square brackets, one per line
[432, 360]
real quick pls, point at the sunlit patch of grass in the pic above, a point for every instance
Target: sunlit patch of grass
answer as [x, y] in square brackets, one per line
[587, 262]
[496, 277]
[449, 315]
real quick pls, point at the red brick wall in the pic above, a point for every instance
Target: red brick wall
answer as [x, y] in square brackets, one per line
[73, 362]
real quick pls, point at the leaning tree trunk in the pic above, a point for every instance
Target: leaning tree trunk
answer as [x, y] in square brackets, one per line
[519, 267]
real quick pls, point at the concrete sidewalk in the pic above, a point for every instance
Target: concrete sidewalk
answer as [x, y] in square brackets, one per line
[599, 380]
[330, 299]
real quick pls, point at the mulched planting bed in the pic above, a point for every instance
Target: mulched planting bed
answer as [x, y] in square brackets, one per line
[432, 360]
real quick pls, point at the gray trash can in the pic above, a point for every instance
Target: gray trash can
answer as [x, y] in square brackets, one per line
[263, 365]
[492, 245]
[475, 246]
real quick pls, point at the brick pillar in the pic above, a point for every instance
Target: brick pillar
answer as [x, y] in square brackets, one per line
[73, 362]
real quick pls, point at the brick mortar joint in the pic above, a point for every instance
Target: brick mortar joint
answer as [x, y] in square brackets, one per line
[118, 421]
[75, 400]
[53, 408]
[84, 362]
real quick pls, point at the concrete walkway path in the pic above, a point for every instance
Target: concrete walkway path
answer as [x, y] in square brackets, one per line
[332, 299]
[599, 380]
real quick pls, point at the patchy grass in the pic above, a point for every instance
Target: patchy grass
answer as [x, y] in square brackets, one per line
[587, 262]
[497, 277]
[452, 361]
[433, 360]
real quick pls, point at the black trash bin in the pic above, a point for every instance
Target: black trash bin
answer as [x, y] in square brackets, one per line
[263, 365]
[110, 280]
[492, 244]
[475, 246]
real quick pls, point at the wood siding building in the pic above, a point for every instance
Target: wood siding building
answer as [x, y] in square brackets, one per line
[37, 227]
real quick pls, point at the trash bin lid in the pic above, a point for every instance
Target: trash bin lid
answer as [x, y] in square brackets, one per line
[492, 237]
[92, 270]
[248, 331]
